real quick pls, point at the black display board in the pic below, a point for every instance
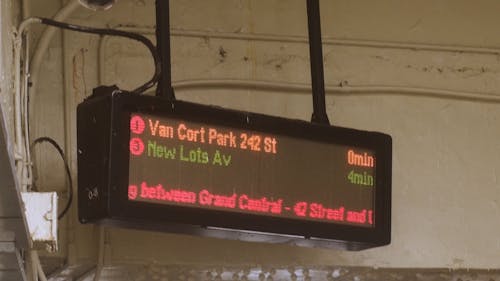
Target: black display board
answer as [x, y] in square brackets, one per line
[152, 163]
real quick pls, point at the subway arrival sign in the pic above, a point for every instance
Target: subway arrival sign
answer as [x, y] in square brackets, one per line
[147, 162]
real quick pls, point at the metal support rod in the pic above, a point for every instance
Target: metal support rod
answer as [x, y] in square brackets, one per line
[164, 88]
[316, 56]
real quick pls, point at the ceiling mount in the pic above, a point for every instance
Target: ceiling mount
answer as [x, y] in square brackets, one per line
[97, 4]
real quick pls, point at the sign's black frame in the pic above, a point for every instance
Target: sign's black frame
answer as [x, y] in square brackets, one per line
[103, 165]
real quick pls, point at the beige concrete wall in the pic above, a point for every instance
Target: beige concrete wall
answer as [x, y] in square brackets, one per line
[446, 194]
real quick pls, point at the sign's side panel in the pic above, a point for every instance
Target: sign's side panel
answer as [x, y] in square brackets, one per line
[388, 192]
[93, 130]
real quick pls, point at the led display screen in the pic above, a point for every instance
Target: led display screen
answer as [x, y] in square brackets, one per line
[150, 163]
[215, 167]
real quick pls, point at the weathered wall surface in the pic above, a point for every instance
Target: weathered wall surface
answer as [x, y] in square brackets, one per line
[446, 194]
[8, 19]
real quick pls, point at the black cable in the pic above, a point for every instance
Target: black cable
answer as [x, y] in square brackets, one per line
[66, 166]
[113, 32]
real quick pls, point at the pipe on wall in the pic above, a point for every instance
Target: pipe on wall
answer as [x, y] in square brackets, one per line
[358, 90]
[326, 40]
[21, 150]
